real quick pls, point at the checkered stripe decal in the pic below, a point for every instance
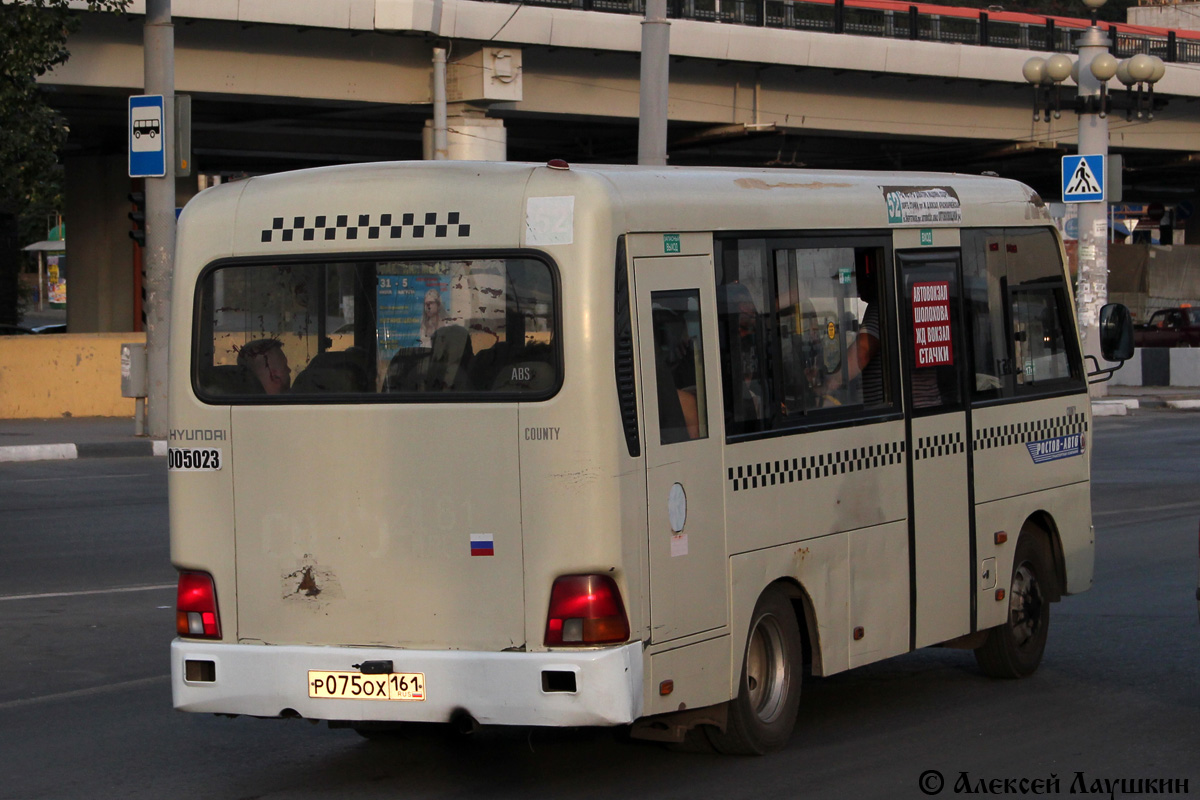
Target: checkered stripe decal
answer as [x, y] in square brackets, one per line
[368, 226]
[944, 444]
[1031, 431]
[808, 468]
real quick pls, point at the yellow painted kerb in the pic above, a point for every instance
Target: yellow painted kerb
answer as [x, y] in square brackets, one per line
[54, 375]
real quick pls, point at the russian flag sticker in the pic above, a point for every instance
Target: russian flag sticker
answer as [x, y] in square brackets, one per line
[483, 544]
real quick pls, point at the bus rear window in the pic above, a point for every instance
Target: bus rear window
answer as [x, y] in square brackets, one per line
[421, 330]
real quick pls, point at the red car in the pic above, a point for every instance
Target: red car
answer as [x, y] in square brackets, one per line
[1169, 327]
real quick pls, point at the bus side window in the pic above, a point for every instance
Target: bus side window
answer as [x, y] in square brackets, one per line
[1019, 315]
[833, 342]
[679, 366]
[1039, 338]
[984, 281]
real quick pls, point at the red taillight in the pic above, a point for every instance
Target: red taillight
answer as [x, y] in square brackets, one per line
[196, 606]
[586, 609]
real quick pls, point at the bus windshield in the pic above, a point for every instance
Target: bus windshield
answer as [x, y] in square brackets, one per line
[421, 329]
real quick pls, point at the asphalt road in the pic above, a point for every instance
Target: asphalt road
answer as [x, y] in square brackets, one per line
[85, 709]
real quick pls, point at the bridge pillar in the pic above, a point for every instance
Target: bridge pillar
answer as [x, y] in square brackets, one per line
[100, 253]
[470, 137]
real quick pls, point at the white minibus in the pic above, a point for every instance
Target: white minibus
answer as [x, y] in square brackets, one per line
[562, 445]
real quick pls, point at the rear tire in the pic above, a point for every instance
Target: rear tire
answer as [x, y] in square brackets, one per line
[1014, 649]
[763, 715]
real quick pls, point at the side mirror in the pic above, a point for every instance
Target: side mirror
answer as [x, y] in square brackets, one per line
[1116, 333]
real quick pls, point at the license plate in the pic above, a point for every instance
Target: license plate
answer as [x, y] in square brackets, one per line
[357, 686]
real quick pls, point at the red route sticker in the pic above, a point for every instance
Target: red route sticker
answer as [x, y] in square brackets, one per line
[931, 324]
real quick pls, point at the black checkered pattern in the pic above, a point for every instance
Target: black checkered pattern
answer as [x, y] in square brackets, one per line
[943, 444]
[366, 226]
[808, 468]
[1031, 431]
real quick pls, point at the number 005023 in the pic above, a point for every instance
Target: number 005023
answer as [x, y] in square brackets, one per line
[193, 459]
[357, 686]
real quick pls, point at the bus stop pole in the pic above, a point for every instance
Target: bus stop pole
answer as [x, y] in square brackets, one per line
[159, 251]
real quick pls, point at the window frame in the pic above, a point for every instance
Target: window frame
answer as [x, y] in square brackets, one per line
[1011, 391]
[1077, 381]
[963, 346]
[357, 259]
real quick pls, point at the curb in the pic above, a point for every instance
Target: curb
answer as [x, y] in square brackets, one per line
[1114, 408]
[60, 452]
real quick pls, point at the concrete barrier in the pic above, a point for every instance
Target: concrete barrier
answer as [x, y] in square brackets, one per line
[57, 375]
[1160, 366]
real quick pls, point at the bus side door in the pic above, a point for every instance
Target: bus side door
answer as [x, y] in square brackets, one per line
[934, 358]
[679, 369]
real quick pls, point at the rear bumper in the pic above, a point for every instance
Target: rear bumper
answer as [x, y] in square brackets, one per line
[494, 688]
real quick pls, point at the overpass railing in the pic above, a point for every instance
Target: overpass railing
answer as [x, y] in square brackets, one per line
[898, 20]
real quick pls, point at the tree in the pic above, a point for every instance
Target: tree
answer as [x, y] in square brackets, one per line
[33, 40]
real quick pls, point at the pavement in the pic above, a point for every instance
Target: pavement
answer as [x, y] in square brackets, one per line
[114, 437]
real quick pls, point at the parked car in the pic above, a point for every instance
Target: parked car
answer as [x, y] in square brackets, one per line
[1169, 327]
[58, 327]
[13, 330]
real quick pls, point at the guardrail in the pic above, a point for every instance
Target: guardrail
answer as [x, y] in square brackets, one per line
[897, 20]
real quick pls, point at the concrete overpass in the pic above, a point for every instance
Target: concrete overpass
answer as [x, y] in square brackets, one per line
[280, 85]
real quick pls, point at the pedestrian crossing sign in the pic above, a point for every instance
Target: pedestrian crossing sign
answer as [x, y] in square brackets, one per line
[1083, 179]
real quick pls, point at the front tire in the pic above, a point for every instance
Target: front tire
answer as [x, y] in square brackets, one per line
[1014, 649]
[763, 715]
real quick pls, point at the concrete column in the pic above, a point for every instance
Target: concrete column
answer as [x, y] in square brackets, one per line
[654, 85]
[469, 138]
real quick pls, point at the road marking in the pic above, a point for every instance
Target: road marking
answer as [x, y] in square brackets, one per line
[78, 693]
[1142, 509]
[118, 590]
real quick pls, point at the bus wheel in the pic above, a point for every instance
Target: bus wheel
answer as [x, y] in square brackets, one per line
[763, 714]
[1014, 649]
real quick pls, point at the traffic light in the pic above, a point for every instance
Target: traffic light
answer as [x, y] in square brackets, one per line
[138, 215]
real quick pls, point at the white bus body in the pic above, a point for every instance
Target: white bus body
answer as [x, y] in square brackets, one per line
[500, 374]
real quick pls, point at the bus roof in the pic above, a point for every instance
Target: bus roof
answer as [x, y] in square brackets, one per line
[425, 205]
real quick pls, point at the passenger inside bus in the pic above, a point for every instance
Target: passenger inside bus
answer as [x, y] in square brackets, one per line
[740, 325]
[676, 377]
[266, 359]
[862, 356]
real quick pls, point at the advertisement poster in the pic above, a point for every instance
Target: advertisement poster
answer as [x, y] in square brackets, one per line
[931, 324]
[413, 299]
[56, 280]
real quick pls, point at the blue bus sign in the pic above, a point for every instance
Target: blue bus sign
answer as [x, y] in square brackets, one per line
[147, 137]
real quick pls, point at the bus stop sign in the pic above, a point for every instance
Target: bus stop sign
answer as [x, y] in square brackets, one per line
[147, 129]
[1083, 179]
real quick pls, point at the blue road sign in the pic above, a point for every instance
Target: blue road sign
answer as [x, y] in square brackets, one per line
[1083, 179]
[147, 137]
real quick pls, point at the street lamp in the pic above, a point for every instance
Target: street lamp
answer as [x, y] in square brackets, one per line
[1093, 102]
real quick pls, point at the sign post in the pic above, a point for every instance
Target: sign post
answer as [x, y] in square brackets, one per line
[158, 255]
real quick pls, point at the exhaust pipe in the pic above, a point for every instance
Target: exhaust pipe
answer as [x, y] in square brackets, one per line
[462, 723]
